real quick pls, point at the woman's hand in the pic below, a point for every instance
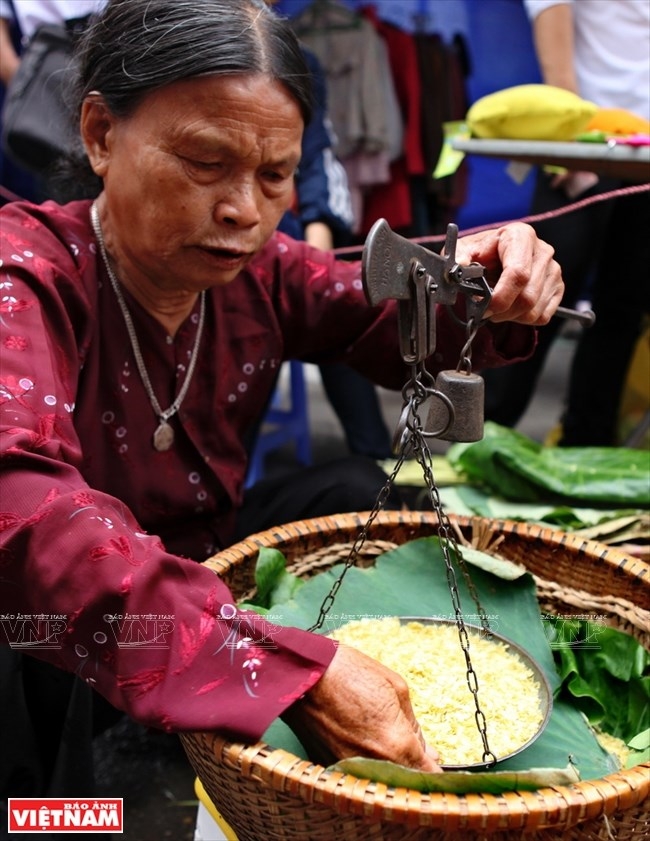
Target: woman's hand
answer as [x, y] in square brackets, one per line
[526, 281]
[360, 708]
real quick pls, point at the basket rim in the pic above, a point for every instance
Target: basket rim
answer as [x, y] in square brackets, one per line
[613, 557]
[313, 783]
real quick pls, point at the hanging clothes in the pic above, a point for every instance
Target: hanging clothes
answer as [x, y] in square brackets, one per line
[363, 104]
[446, 18]
[393, 200]
[442, 73]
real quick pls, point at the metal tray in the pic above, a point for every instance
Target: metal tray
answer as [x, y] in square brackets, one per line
[545, 693]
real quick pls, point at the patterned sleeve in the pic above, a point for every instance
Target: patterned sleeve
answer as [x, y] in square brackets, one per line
[324, 316]
[81, 585]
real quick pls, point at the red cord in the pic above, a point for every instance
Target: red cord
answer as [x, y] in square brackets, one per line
[538, 217]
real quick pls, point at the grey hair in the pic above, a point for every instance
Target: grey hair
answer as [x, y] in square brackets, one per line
[137, 46]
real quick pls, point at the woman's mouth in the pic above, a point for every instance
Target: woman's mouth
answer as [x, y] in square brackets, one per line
[226, 257]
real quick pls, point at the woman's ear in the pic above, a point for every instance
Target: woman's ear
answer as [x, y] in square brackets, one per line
[95, 124]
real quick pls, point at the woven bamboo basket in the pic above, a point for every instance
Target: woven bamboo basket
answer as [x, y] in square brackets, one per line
[269, 794]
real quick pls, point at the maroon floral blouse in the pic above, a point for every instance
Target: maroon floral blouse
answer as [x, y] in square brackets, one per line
[99, 532]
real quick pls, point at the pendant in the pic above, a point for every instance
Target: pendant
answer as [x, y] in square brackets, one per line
[163, 437]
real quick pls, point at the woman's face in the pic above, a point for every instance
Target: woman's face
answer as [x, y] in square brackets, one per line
[196, 180]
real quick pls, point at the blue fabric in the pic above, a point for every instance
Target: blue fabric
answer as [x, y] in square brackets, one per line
[497, 29]
[443, 17]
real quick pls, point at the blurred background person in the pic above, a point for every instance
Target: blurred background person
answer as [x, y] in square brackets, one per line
[19, 20]
[322, 215]
[601, 51]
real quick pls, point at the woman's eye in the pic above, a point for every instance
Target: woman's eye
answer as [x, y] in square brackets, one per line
[207, 164]
[204, 166]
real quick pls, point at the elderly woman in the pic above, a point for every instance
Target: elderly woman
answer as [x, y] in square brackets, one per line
[141, 333]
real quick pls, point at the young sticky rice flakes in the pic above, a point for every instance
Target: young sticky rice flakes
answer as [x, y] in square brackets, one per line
[431, 661]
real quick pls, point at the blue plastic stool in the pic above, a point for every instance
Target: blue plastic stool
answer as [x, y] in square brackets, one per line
[282, 425]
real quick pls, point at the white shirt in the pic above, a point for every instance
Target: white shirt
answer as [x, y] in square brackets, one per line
[30, 14]
[612, 50]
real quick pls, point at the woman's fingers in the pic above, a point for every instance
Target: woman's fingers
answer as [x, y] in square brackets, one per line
[526, 281]
[360, 708]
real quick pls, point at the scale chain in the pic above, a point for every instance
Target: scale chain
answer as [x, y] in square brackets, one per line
[447, 540]
[414, 442]
[382, 496]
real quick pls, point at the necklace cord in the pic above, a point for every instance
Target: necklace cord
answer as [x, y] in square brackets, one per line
[163, 415]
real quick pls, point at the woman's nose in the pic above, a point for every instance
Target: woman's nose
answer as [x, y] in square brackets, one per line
[239, 208]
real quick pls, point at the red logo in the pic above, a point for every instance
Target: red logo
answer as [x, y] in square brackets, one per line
[61, 814]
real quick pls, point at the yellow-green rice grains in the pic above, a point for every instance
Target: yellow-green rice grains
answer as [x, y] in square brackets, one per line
[430, 659]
